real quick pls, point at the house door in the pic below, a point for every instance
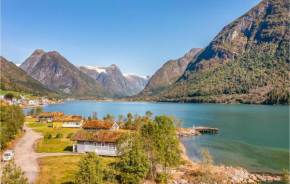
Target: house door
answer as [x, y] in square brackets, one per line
[86, 147]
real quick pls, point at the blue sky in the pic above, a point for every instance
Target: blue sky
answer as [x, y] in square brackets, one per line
[138, 36]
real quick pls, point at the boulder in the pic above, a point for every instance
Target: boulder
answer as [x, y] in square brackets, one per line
[269, 178]
[261, 178]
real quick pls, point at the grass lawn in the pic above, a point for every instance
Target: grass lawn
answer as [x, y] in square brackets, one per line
[62, 169]
[30, 119]
[54, 131]
[38, 125]
[54, 145]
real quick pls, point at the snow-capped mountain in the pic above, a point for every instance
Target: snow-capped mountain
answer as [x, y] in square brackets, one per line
[114, 80]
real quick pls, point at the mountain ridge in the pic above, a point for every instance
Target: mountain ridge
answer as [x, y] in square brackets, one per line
[247, 62]
[15, 79]
[58, 74]
[167, 74]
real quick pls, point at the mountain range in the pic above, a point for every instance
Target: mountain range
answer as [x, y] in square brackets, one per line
[247, 62]
[84, 82]
[112, 79]
[58, 74]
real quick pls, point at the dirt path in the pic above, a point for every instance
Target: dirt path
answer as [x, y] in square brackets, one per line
[26, 157]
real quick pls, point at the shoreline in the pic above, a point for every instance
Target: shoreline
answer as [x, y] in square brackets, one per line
[234, 174]
[175, 102]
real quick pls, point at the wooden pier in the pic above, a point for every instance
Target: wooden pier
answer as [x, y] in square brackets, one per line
[206, 129]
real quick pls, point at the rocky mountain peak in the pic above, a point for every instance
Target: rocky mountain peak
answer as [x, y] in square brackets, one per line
[38, 52]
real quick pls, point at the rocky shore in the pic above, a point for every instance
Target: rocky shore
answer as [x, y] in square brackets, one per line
[232, 175]
[186, 132]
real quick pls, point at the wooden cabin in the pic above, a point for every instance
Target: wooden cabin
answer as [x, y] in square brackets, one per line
[101, 142]
[100, 125]
[47, 117]
[68, 121]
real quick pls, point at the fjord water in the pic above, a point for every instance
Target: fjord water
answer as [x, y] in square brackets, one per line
[255, 137]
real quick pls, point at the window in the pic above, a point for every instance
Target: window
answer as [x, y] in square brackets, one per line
[99, 144]
[95, 144]
[86, 143]
[112, 146]
[103, 144]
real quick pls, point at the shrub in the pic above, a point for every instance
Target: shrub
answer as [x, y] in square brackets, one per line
[70, 135]
[286, 176]
[47, 136]
[161, 178]
[59, 135]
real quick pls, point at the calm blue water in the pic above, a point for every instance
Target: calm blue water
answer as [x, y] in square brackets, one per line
[255, 137]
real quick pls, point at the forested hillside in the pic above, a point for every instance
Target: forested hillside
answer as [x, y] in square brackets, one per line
[247, 62]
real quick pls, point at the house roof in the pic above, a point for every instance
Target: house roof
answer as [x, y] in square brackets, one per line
[50, 114]
[68, 118]
[96, 136]
[98, 124]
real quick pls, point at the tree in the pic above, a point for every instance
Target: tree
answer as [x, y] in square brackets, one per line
[133, 164]
[177, 122]
[95, 115]
[162, 145]
[12, 174]
[9, 96]
[121, 118]
[89, 118]
[129, 121]
[207, 159]
[90, 170]
[32, 111]
[38, 110]
[148, 115]
[109, 117]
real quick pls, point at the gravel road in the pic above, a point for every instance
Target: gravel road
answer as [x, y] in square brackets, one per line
[25, 155]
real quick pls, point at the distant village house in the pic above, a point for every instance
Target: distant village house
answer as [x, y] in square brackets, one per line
[68, 121]
[47, 117]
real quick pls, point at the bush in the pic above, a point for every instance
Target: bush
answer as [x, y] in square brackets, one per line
[286, 176]
[70, 135]
[161, 178]
[59, 135]
[47, 136]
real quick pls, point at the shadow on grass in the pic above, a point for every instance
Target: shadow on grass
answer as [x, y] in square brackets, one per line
[68, 148]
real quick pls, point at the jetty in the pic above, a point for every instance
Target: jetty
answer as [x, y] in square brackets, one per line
[202, 129]
[194, 131]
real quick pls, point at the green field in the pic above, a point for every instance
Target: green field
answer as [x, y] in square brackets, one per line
[54, 131]
[62, 169]
[37, 125]
[30, 119]
[54, 145]
[2, 92]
